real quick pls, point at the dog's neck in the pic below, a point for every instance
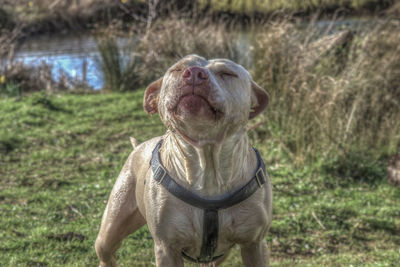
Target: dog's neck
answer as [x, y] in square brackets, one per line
[211, 169]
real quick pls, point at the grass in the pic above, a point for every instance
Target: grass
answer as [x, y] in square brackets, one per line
[60, 155]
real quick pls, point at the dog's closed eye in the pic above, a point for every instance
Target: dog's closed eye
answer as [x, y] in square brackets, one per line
[227, 74]
[177, 69]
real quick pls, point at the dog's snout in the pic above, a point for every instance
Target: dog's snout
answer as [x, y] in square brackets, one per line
[195, 76]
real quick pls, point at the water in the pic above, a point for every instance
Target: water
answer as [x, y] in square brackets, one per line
[71, 55]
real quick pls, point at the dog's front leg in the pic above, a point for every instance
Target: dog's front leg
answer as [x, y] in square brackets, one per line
[255, 254]
[167, 257]
[121, 217]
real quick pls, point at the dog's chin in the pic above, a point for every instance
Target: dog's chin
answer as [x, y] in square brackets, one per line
[200, 138]
[196, 120]
[195, 108]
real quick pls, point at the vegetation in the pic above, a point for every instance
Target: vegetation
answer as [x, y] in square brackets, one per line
[120, 70]
[269, 6]
[60, 156]
[336, 97]
[17, 79]
[332, 124]
[41, 16]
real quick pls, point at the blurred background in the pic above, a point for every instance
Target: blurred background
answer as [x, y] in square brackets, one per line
[72, 77]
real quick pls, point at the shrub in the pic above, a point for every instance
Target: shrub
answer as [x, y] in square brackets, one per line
[10, 89]
[6, 20]
[119, 69]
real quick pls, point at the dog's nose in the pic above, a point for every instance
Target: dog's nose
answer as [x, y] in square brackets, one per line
[195, 76]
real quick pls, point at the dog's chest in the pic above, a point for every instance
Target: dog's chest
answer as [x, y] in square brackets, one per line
[181, 225]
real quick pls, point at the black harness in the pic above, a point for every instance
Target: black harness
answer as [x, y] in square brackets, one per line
[210, 205]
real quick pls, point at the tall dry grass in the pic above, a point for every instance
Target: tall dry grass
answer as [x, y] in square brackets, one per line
[335, 104]
[169, 40]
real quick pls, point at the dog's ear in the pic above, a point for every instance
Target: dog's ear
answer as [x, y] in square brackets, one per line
[150, 100]
[259, 100]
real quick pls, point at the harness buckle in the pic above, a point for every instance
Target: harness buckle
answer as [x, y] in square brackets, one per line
[159, 174]
[260, 177]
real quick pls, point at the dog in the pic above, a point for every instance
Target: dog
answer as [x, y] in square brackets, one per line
[201, 188]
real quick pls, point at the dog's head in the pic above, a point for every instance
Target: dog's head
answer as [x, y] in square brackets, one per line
[205, 101]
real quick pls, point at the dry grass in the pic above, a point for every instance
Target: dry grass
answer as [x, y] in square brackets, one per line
[170, 40]
[346, 100]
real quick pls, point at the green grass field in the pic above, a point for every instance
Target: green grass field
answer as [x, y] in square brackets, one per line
[60, 156]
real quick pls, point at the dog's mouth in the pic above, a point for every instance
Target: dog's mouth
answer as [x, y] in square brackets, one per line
[197, 105]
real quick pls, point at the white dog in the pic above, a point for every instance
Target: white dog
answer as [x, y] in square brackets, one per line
[201, 188]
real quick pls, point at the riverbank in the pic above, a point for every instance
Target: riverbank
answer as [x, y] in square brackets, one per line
[33, 18]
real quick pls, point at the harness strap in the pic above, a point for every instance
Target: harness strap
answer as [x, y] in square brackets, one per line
[209, 240]
[222, 201]
[210, 235]
[210, 205]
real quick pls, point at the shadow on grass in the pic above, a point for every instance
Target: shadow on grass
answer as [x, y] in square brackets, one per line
[358, 166]
[8, 144]
[45, 101]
